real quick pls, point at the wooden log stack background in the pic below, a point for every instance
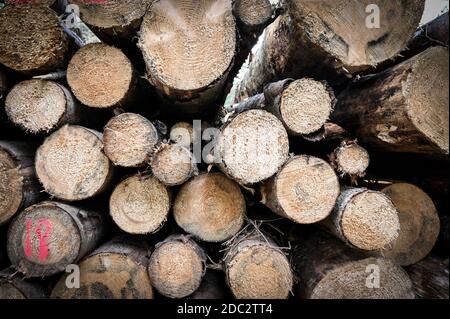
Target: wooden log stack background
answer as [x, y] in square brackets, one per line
[138, 162]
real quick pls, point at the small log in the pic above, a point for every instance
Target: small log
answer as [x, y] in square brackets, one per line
[32, 41]
[39, 106]
[116, 270]
[189, 49]
[304, 190]
[101, 76]
[364, 219]
[211, 207]
[19, 187]
[327, 269]
[256, 268]
[350, 159]
[252, 147]
[419, 224]
[177, 267]
[212, 287]
[71, 164]
[173, 164]
[45, 238]
[403, 109]
[129, 140]
[14, 286]
[182, 133]
[140, 205]
[430, 278]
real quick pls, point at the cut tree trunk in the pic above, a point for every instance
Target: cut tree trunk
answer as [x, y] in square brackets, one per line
[364, 219]
[113, 18]
[177, 266]
[403, 109]
[71, 164]
[32, 41]
[419, 224]
[350, 159]
[211, 207]
[14, 286]
[130, 140]
[430, 278]
[45, 238]
[182, 133]
[252, 147]
[39, 106]
[330, 36]
[19, 187]
[328, 269]
[256, 268]
[116, 270]
[140, 205]
[304, 190]
[101, 76]
[189, 49]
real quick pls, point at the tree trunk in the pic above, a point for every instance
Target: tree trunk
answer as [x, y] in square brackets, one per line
[101, 76]
[211, 207]
[189, 49]
[45, 238]
[116, 270]
[304, 190]
[364, 219]
[330, 36]
[328, 269]
[71, 164]
[19, 187]
[430, 278]
[14, 286]
[403, 109]
[350, 159]
[32, 41]
[177, 267]
[140, 205]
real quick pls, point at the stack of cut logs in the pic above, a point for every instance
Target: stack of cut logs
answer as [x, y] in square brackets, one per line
[126, 172]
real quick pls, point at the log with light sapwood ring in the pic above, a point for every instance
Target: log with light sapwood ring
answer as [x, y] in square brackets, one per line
[189, 49]
[364, 219]
[252, 13]
[129, 140]
[71, 164]
[430, 278]
[210, 207]
[15, 286]
[252, 147]
[140, 204]
[45, 238]
[19, 186]
[40, 106]
[102, 76]
[350, 159]
[328, 269]
[177, 266]
[403, 109]
[304, 190]
[116, 270]
[419, 224]
[32, 41]
[256, 268]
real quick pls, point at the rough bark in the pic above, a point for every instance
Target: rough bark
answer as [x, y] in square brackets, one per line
[430, 278]
[47, 237]
[14, 286]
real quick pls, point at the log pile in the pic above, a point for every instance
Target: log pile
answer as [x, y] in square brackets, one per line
[130, 170]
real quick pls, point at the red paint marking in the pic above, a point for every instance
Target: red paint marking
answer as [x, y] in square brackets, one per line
[28, 250]
[43, 237]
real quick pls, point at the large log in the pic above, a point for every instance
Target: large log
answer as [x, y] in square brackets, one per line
[328, 269]
[189, 49]
[320, 37]
[177, 266]
[211, 207]
[31, 39]
[116, 270]
[71, 164]
[403, 109]
[430, 278]
[102, 76]
[140, 204]
[15, 286]
[19, 187]
[45, 238]
[40, 106]
[304, 190]
[364, 219]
